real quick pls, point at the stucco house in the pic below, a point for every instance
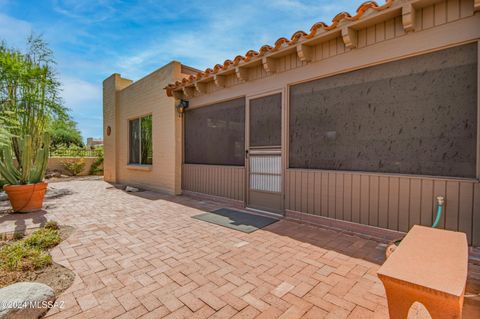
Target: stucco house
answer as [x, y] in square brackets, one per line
[358, 124]
[142, 130]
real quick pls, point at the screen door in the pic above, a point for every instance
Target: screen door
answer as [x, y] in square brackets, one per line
[264, 154]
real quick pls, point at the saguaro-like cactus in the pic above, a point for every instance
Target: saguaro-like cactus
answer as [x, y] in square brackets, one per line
[31, 166]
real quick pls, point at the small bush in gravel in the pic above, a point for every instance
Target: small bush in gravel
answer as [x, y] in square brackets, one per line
[51, 224]
[18, 235]
[43, 238]
[74, 166]
[21, 257]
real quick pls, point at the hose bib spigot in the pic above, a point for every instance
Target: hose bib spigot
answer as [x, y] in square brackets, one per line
[440, 200]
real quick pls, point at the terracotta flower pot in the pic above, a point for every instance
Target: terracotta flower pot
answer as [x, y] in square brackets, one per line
[26, 198]
[392, 246]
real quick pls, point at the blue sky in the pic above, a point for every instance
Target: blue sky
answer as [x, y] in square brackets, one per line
[95, 38]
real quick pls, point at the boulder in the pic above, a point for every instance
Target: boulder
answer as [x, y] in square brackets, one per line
[53, 192]
[51, 174]
[131, 189]
[25, 300]
[3, 196]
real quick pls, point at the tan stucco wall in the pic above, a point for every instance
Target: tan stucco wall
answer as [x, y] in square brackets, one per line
[56, 164]
[111, 86]
[124, 100]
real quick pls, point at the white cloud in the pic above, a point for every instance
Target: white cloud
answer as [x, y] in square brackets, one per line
[85, 101]
[79, 94]
[86, 11]
[289, 4]
[14, 31]
[224, 32]
[187, 48]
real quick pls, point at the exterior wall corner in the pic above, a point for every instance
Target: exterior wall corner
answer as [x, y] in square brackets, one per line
[111, 86]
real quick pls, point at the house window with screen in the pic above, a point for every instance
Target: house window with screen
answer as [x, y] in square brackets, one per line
[412, 116]
[140, 130]
[215, 134]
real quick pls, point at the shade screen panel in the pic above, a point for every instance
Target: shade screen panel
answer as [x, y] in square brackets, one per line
[215, 134]
[413, 116]
[266, 121]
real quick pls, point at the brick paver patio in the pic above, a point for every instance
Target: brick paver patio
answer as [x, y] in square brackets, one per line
[142, 256]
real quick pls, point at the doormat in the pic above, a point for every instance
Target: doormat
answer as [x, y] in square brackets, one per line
[234, 219]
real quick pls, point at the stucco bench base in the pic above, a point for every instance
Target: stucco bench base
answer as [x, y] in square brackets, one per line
[401, 296]
[429, 266]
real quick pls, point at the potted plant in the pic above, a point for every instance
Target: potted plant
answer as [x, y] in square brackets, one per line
[29, 104]
[25, 186]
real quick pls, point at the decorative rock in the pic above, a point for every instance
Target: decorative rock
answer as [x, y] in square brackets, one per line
[25, 300]
[57, 192]
[131, 189]
[3, 197]
[52, 174]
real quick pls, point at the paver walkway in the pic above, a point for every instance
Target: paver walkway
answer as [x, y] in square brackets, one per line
[142, 256]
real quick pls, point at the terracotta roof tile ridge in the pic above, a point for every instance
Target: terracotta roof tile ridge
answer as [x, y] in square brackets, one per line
[281, 43]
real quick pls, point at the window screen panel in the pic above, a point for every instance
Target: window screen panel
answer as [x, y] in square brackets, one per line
[134, 144]
[413, 116]
[266, 121]
[215, 134]
[146, 140]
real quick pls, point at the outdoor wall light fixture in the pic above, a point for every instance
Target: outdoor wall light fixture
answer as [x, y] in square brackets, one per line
[182, 106]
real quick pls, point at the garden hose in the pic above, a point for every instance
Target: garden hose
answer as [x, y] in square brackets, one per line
[440, 204]
[394, 244]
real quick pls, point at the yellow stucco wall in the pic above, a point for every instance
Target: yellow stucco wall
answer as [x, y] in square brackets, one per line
[56, 164]
[125, 100]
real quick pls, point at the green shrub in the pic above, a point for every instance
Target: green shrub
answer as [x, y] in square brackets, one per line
[43, 238]
[51, 224]
[97, 165]
[17, 235]
[74, 167]
[98, 151]
[20, 257]
[96, 168]
[30, 253]
[62, 150]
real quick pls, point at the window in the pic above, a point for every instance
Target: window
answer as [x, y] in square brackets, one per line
[215, 134]
[413, 116]
[141, 141]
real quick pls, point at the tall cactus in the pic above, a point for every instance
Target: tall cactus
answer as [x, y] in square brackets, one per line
[31, 166]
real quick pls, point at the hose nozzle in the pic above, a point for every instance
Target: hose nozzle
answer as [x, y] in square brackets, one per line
[440, 200]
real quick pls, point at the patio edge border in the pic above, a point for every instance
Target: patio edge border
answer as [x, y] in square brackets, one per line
[224, 200]
[364, 231]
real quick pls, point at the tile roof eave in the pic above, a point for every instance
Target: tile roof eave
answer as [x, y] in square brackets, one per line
[279, 44]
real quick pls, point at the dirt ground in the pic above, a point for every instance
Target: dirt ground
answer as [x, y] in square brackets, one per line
[56, 276]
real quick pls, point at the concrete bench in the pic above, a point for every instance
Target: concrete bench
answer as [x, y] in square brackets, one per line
[429, 266]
